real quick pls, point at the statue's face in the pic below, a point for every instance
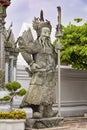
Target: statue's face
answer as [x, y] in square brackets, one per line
[45, 32]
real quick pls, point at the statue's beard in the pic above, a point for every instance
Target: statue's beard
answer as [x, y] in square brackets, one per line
[45, 42]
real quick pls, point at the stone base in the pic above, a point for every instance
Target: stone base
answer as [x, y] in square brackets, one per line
[43, 123]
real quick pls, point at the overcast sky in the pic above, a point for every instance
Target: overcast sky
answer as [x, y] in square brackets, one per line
[21, 11]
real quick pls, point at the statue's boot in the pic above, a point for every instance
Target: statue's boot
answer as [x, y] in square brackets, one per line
[48, 112]
[23, 104]
[39, 113]
[45, 111]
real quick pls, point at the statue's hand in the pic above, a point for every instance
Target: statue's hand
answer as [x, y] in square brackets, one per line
[34, 67]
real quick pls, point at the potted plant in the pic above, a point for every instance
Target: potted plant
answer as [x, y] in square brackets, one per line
[13, 119]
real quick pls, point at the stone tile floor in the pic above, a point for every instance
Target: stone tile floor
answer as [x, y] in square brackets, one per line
[73, 123]
[74, 126]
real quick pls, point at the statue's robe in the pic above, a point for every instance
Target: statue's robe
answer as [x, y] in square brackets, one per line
[42, 85]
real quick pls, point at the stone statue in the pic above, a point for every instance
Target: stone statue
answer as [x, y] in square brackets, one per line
[41, 56]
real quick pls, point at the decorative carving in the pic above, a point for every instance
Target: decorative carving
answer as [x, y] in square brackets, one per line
[10, 44]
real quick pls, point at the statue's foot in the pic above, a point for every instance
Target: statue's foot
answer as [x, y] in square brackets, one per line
[52, 113]
[22, 105]
[37, 115]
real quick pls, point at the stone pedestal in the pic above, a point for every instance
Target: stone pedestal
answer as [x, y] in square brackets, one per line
[43, 123]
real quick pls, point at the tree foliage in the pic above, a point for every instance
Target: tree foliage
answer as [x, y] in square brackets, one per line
[13, 88]
[78, 20]
[74, 43]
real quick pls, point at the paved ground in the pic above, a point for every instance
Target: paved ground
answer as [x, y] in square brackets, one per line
[74, 123]
[74, 126]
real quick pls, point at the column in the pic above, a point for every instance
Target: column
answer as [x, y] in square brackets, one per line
[6, 72]
[14, 66]
[14, 73]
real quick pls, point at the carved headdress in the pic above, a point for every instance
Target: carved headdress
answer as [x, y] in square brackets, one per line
[39, 23]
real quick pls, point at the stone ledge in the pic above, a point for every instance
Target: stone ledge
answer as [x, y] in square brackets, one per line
[43, 123]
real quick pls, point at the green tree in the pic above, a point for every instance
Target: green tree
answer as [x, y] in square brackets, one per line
[13, 88]
[74, 43]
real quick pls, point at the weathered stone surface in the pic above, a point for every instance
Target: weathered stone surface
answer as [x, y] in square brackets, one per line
[43, 123]
[41, 57]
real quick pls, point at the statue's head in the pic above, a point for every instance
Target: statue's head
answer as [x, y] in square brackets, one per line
[42, 27]
[45, 32]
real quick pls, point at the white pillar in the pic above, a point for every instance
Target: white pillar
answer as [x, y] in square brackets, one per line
[12, 70]
[6, 72]
[14, 73]
[0, 53]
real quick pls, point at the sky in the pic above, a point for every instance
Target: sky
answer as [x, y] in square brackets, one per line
[23, 11]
